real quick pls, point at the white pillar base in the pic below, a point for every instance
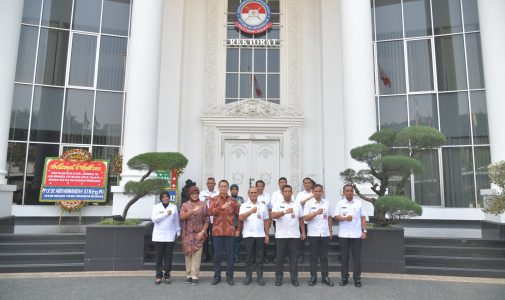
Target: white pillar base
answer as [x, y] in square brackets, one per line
[6, 192]
[142, 209]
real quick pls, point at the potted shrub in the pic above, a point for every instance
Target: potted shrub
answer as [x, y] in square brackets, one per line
[113, 247]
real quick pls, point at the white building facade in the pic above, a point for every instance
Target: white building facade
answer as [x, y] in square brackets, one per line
[127, 77]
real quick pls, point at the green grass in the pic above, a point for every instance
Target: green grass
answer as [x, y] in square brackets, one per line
[110, 221]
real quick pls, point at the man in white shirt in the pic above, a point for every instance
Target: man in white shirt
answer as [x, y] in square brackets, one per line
[166, 228]
[205, 196]
[352, 230]
[316, 213]
[302, 197]
[264, 198]
[255, 232]
[277, 195]
[289, 217]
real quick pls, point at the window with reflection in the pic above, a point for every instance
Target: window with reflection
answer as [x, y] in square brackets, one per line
[428, 63]
[252, 71]
[69, 86]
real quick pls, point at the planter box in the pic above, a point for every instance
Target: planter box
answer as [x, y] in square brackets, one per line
[115, 248]
[383, 250]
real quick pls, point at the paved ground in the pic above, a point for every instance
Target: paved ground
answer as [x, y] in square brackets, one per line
[140, 285]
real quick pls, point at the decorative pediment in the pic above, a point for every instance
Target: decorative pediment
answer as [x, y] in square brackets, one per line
[251, 108]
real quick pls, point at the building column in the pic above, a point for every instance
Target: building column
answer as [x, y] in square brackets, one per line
[10, 27]
[357, 76]
[142, 94]
[142, 82]
[492, 32]
[492, 35]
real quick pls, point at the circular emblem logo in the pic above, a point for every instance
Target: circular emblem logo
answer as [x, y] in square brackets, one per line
[253, 16]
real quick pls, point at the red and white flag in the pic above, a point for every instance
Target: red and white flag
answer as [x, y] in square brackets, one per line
[257, 87]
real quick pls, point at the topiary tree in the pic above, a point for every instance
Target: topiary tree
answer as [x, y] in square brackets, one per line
[496, 204]
[392, 153]
[151, 162]
[391, 209]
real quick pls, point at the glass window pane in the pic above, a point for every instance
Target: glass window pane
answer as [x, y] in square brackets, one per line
[82, 63]
[52, 57]
[274, 32]
[393, 112]
[26, 54]
[260, 60]
[454, 118]
[111, 65]
[482, 161]
[479, 117]
[232, 33]
[427, 184]
[388, 19]
[77, 118]
[423, 110]
[459, 188]
[474, 58]
[245, 86]
[446, 16]
[417, 14]
[420, 65]
[471, 15]
[231, 85]
[391, 67]
[273, 91]
[232, 60]
[37, 154]
[450, 63]
[16, 157]
[108, 118]
[245, 60]
[116, 15]
[46, 114]
[31, 11]
[87, 15]
[20, 113]
[259, 86]
[56, 13]
[274, 60]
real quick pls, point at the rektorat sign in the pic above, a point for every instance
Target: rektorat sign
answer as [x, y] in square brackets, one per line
[253, 16]
[66, 180]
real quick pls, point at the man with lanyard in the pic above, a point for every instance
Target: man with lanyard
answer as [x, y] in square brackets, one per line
[236, 243]
[319, 225]
[256, 226]
[289, 217]
[302, 197]
[206, 196]
[225, 210]
[352, 230]
[264, 197]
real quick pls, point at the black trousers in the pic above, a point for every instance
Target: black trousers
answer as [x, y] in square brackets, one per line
[164, 251]
[286, 248]
[254, 255]
[319, 254]
[301, 248]
[207, 245]
[354, 245]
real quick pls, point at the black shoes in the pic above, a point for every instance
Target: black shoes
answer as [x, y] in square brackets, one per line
[326, 280]
[215, 281]
[194, 281]
[294, 282]
[313, 280]
[261, 281]
[357, 283]
[343, 282]
[188, 280]
[278, 282]
[168, 280]
[230, 281]
[247, 281]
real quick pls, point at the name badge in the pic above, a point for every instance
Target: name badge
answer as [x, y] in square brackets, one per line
[282, 206]
[258, 215]
[325, 216]
[313, 207]
[248, 207]
[292, 215]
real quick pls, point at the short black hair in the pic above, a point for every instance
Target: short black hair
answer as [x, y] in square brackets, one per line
[287, 186]
[260, 181]
[282, 178]
[224, 180]
[348, 184]
[318, 185]
[164, 193]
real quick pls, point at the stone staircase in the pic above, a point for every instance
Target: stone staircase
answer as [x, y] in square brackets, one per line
[455, 257]
[41, 253]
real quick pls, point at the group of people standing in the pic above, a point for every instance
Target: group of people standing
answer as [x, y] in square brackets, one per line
[228, 220]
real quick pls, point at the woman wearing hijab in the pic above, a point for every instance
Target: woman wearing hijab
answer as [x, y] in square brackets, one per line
[195, 221]
[166, 228]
